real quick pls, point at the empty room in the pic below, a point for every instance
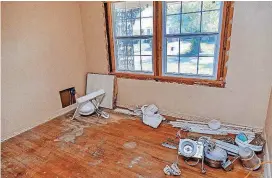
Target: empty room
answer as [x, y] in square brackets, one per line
[143, 89]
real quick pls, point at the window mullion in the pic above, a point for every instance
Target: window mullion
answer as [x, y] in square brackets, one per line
[197, 65]
[126, 47]
[157, 38]
[141, 62]
[180, 22]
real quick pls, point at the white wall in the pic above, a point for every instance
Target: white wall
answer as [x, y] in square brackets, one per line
[42, 53]
[93, 22]
[245, 98]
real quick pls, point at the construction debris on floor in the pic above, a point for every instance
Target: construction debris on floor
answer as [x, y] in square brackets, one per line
[213, 144]
[89, 104]
[149, 114]
[172, 170]
[217, 145]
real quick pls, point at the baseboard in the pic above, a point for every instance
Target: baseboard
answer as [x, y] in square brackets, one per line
[267, 167]
[64, 110]
[56, 114]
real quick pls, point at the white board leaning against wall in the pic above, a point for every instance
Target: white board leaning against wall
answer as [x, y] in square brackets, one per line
[100, 81]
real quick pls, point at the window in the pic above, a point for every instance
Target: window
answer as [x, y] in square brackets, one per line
[185, 42]
[133, 36]
[191, 38]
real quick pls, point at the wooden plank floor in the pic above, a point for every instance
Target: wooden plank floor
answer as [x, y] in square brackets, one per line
[118, 147]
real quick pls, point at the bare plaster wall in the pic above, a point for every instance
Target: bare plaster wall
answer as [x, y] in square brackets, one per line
[93, 22]
[43, 52]
[244, 100]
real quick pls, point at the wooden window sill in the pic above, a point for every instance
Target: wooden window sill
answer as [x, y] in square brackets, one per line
[170, 79]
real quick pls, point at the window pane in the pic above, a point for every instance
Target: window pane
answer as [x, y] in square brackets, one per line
[121, 63]
[132, 9]
[207, 45]
[133, 13]
[133, 27]
[133, 47]
[128, 47]
[172, 46]
[137, 63]
[193, 6]
[190, 23]
[136, 46]
[173, 8]
[210, 21]
[146, 47]
[172, 64]
[130, 60]
[121, 47]
[173, 24]
[146, 9]
[119, 10]
[188, 65]
[206, 65]
[120, 28]
[189, 46]
[147, 26]
[147, 63]
[211, 5]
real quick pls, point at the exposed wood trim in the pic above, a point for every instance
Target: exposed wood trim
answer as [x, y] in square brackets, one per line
[225, 40]
[133, 76]
[171, 79]
[228, 38]
[192, 81]
[106, 31]
[111, 40]
[157, 50]
[158, 17]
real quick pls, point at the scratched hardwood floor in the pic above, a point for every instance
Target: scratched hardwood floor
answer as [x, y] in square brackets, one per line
[118, 147]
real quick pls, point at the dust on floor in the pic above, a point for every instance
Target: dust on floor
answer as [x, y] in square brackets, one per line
[75, 128]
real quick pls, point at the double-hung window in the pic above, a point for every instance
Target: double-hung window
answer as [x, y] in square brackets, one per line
[191, 38]
[133, 36]
[184, 41]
